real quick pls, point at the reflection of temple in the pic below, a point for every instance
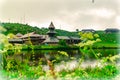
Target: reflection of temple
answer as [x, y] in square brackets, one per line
[50, 38]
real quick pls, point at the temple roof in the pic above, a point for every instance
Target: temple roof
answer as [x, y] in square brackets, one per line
[19, 35]
[15, 40]
[32, 34]
[68, 38]
[51, 40]
[51, 25]
[75, 38]
[63, 37]
[52, 32]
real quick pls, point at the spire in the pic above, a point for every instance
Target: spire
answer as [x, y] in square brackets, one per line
[51, 35]
[51, 31]
[51, 26]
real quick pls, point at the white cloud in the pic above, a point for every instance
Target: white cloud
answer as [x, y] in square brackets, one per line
[2, 2]
[33, 24]
[1, 5]
[104, 13]
[118, 20]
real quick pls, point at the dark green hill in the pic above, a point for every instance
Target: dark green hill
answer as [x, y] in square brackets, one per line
[25, 28]
[109, 39]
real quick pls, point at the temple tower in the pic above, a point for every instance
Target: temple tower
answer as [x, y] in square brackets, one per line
[51, 32]
[51, 35]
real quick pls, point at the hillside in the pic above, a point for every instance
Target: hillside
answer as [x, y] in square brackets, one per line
[107, 38]
[25, 28]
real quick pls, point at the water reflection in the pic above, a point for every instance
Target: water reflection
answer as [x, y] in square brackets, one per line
[62, 62]
[42, 55]
[107, 52]
[54, 54]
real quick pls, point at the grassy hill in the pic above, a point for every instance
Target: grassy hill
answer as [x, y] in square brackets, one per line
[25, 28]
[108, 39]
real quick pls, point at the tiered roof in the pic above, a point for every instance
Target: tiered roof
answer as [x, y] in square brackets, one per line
[52, 38]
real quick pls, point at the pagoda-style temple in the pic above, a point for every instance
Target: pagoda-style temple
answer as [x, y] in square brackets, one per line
[52, 39]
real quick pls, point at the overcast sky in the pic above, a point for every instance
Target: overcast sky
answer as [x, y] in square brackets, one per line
[65, 14]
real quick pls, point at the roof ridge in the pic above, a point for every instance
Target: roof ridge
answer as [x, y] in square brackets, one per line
[51, 25]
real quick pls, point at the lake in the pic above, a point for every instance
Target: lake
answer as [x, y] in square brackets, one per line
[55, 55]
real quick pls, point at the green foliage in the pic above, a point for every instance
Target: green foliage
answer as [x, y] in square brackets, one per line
[111, 59]
[109, 70]
[96, 35]
[86, 35]
[88, 39]
[17, 48]
[4, 63]
[10, 36]
[12, 65]
[62, 43]
[2, 29]
[106, 72]
[109, 37]
[4, 46]
[63, 53]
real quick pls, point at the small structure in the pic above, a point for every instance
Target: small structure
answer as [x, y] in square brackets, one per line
[19, 35]
[17, 40]
[65, 38]
[33, 37]
[74, 40]
[112, 30]
[51, 35]
[42, 38]
[88, 30]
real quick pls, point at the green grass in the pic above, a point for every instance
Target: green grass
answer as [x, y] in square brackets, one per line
[107, 72]
[49, 47]
[106, 44]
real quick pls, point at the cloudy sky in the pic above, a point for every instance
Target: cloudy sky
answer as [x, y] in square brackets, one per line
[65, 14]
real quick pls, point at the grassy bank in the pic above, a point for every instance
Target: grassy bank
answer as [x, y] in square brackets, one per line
[107, 72]
[106, 44]
[48, 47]
[99, 45]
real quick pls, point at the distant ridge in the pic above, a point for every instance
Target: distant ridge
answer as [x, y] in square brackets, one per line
[26, 28]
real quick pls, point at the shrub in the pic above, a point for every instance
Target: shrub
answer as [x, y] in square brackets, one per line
[62, 42]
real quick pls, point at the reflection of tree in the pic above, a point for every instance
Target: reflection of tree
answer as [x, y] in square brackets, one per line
[92, 1]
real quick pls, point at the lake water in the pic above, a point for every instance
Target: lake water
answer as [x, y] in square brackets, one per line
[55, 55]
[62, 61]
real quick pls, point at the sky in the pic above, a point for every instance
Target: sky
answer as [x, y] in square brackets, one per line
[65, 14]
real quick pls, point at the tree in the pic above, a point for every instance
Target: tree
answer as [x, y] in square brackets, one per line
[77, 30]
[62, 43]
